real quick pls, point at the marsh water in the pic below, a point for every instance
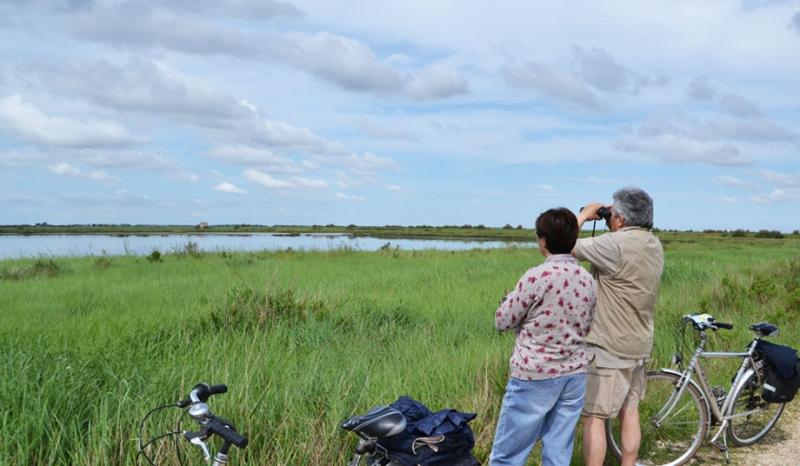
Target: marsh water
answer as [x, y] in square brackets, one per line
[18, 246]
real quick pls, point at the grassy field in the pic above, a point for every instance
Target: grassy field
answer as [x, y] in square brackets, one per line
[304, 340]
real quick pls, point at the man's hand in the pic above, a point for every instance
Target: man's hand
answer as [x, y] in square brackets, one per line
[589, 212]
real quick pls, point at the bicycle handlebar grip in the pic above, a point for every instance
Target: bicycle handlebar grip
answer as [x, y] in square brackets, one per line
[723, 325]
[228, 434]
[217, 389]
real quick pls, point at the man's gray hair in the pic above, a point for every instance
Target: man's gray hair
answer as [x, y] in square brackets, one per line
[635, 205]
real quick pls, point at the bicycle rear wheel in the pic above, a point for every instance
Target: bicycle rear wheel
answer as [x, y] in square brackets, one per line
[752, 416]
[676, 438]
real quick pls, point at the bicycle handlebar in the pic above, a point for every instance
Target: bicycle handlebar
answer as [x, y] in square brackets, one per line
[703, 322]
[212, 424]
[201, 392]
[226, 432]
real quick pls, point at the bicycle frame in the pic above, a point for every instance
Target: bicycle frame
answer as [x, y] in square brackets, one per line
[719, 414]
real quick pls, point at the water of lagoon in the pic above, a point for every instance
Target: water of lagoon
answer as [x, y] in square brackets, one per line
[18, 246]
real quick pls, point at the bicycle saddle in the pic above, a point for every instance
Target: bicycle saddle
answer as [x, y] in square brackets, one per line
[765, 329]
[381, 421]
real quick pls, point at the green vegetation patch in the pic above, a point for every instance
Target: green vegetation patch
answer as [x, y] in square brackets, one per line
[40, 268]
[256, 308]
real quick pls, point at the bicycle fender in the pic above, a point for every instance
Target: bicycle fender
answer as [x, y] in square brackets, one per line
[735, 389]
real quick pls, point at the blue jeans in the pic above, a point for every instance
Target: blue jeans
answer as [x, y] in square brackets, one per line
[547, 409]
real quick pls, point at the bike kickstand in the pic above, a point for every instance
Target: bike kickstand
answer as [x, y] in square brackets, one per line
[722, 444]
[723, 447]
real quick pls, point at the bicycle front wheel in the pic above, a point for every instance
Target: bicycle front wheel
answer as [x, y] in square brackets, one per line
[671, 438]
[750, 416]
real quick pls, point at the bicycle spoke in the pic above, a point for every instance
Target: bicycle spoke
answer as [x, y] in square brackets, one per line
[671, 439]
[750, 416]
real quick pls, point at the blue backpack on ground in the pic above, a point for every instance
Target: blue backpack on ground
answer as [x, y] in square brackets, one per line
[431, 439]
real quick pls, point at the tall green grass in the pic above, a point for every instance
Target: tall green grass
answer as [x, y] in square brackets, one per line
[303, 340]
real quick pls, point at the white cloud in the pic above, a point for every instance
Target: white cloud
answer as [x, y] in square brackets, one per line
[283, 135]
[65, 169]
[265, 180]
[354, 66]
[156, 88]
[345, 180]
[127, 159]
[367, 164]
[684, 139]
[294, 182]
[252, 156]
[157, 28]
[670, 148]
[593, 78]
[597, 68]
[99, 175]
[26, 121]
[701, 90]
[145, 85]
[229, 188]
[790, 180]
[309, 165]
[778, 195]
[343, 61]
[547, 188]
[301, 182]
[558, 84]
[735, 182]
[437, 81]
[738, 106]
[398, 189]
[351, 197]
[751, 130]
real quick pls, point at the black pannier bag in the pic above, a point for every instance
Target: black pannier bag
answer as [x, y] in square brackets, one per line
[781, 374]
[442, 438]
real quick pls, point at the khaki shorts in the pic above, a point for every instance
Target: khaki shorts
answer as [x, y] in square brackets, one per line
[612, 383]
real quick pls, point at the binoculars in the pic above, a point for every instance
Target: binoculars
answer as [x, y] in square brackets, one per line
[602, 212]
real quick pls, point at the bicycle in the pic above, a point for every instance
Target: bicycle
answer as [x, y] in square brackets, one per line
[376, 424]
[680, 406]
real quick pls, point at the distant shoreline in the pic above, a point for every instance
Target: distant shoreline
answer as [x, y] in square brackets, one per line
[464, 232]
[477, 233]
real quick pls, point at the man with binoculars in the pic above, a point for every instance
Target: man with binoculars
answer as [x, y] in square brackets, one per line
[627, 265]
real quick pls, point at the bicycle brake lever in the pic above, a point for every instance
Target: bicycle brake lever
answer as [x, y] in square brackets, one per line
[204, 447]
[196, 438]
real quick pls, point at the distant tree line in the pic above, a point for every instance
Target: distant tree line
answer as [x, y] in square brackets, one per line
[738, 233]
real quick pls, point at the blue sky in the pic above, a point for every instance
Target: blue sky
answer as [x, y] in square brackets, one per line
[414, 112]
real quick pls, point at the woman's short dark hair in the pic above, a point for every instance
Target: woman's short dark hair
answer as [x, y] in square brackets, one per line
[559, 228]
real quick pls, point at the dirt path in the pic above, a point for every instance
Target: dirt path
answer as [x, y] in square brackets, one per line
[781, 447]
